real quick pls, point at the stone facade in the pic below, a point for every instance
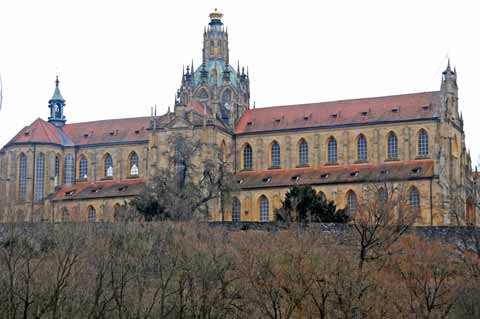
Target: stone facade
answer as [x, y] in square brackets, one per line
[55, 171]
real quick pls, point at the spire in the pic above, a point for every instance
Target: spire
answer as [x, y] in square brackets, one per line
[56, 94]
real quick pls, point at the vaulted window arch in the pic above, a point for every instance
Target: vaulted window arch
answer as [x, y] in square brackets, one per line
[264, 208]
[414, 198]
[392, 146]
[69, 169]
[226, 98]
[179, 164]
[236, 210]
[133, 164]
[40, 177]
[107, 165]
[352, 204]
[422, 141]
[302, 152]
[65, 215]
[92, 214]
[202, 94]
[247, 157]
[57, 170]
[275, 155]
[362, 154]
[332, 156]
[83, 167]
[22, 176]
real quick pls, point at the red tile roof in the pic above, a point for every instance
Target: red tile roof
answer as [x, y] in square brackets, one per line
[335, 174]
[103, 189]
[346, 112]
[108, 131]
[39, 131]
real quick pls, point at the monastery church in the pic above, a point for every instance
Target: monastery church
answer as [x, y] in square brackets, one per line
[55, 171]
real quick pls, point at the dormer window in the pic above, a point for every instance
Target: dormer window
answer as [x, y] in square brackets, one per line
[426, 107]
[354, 174]
[70, 193]
[416, 170]
[396, 109]
[364, 113]
[267, 179]
[122, 188]
[334, 115]
[324, 176]
[295, 177]
[249, 123]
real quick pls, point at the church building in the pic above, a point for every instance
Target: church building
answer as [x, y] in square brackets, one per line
[55, 171]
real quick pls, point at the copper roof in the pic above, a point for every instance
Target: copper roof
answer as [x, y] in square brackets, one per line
[414, 106]
[335, 174]
[103, 189]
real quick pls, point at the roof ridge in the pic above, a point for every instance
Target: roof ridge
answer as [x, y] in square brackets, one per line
[346, 100]
[115, 119]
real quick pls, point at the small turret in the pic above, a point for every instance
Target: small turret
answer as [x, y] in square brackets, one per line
[56, 105]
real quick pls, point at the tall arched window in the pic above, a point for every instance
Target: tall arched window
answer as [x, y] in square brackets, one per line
[321, 195]
[264, 209]
[83, 168]
[362, 148]
[332, 151]
[275, 154]
[56, 173]
[247, 157]
[352, 203]
[202, 94]
[226, 98]
[69, 170]
[22, 176]
[40, 177]
[422, 143]
[179, 164]
[392, 146]
[302, 153]
[65, 215]
[92, 214]
[133, 164]
[414, 199]
[382, 195]
[236, 210]
[107, 166]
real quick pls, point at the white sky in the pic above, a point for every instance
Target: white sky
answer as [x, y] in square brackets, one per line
[119, 58]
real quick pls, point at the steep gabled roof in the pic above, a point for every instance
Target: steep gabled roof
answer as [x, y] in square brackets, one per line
[347, 112]
[38, 132]
[335, 174]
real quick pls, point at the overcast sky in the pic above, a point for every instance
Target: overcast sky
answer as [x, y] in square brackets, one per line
[118, 58]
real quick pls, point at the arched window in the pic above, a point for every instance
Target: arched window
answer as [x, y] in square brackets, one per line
[332, 150]
[351, 203]
[117, 213]
[107, 166]
[247, 157]
[382, 195]
[422, 143]
[362, 148]
[414, 199]
[83, 168]
[264, 209]
[65, 215]
[69, 170]
[226, 98]
[202, 94]
[236, 210]
[275, 154]
[56, 173]
[223, 152]
[92, 214]
[179, 165]
[455, 149]
[302, 153]
[133, 164]
[22, 176]
[392, 146]
[40, 177]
